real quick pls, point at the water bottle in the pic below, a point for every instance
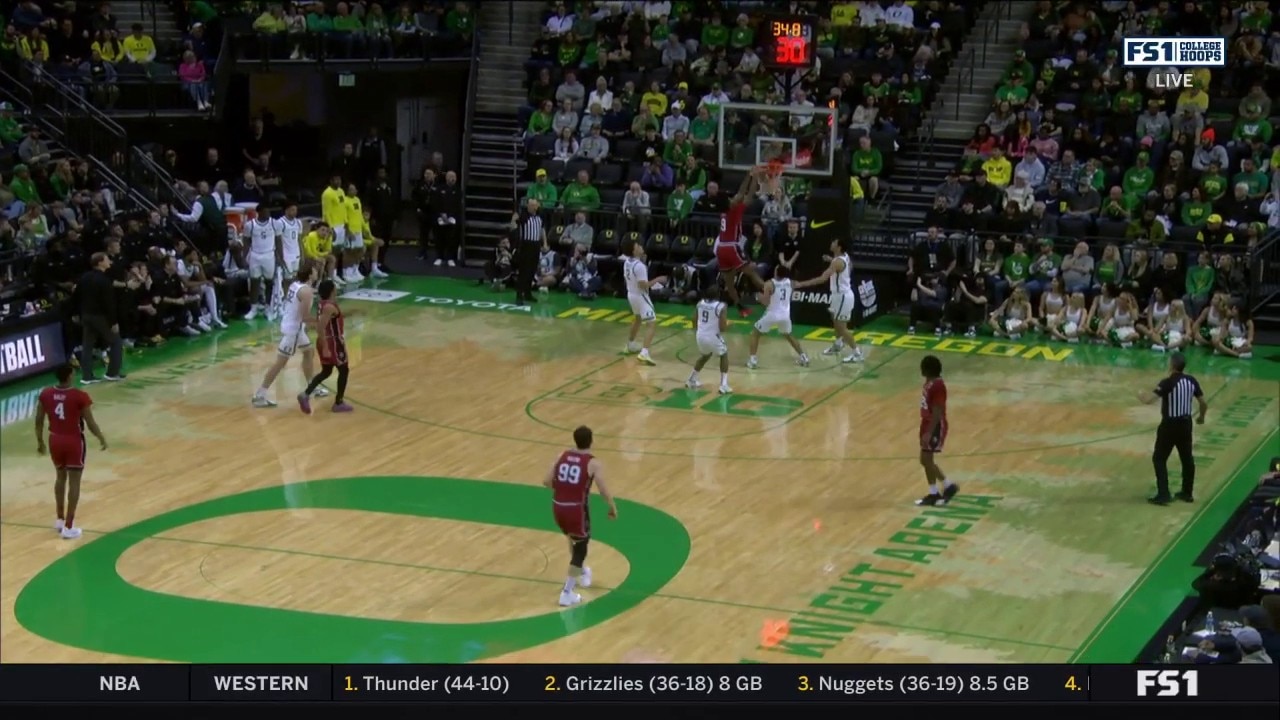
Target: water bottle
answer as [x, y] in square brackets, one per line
[1210, 626]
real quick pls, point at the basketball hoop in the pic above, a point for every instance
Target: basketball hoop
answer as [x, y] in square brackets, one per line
[770, 175]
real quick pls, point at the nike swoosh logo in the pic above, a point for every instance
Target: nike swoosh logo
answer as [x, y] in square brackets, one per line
[816, 225]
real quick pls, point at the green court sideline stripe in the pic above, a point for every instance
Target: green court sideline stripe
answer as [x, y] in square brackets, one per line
[1147, 604]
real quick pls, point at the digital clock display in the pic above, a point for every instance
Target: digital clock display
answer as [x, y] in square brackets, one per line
[789, 43]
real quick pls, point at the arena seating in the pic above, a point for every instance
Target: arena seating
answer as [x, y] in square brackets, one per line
[60, 207]
[587, 57]
[1123, 163]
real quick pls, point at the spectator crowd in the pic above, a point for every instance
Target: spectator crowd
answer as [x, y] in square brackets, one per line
[621, 126]
[1094, 185]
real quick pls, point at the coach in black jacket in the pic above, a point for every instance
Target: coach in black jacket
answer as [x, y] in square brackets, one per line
[95, 303]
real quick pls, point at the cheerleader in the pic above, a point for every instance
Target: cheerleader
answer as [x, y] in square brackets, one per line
[1068, 324]
[1121, 328]
[1235, 337]
[1211, 319]
[1013, 316]
[1052, 301]
[1104, 306]
[1174, 333]
[1150, 325]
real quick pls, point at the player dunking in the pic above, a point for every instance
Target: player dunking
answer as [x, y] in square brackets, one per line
[776, 297]
[331, 341]
[933, 432]
[570, 480]
[712, 322]
[843, 302]
[636, 274]
[69, 412]
[730, 256]
[293, 331]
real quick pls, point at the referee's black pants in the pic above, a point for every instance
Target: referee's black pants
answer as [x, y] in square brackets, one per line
[1174, 434]
[526, 269]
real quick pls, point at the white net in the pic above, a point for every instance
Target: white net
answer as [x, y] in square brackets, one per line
[801, 137]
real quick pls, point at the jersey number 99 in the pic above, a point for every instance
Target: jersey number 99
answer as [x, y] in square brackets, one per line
[569, 474]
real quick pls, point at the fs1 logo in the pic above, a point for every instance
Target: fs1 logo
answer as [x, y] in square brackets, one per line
[1168, 683]
[1175, 51]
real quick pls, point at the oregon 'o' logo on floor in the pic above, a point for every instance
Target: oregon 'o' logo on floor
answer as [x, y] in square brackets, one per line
[124, 619]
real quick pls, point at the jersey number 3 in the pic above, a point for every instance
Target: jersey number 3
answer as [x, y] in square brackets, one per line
[569, 473]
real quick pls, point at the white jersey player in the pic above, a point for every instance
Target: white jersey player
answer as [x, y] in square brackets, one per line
[711, 322]
[843, 301]
[289, 228]
[776, 297]
[263, 243]
[636, 275]
[295, 316]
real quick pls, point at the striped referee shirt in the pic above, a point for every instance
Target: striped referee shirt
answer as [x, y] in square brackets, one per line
[530, 230]
[1177, 394]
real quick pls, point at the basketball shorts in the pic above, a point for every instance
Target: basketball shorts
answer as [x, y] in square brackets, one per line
[339, 237]
[332, 353]
[293, 342]
[842, 307]
[712, 346]
[573, 520]
[355, 240]
[642, 307]
[262, 266]
[769, 322]
[935, 442]
[729, 256]
[291, 265]
[67, 451]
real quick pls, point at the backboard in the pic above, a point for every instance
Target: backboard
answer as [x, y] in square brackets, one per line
[801, 138]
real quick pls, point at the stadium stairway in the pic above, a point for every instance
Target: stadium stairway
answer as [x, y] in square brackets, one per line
[157, 18]
[495, 164]
[919, 168]
[507, 31]
[966, 93]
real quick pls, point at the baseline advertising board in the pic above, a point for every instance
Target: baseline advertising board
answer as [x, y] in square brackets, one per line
[30, 346]
[829, 219]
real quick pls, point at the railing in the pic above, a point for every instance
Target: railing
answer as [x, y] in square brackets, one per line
[86, 129]
[511, 22]
[150, 181]
[1003, 10]
[964, 76]
[320, 49]
[223, 70]
[127, 197]
[149, 11]
[472, 85]
[925, 138]
[1264, 269]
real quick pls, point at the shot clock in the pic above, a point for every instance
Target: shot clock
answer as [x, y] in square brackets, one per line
[788, 42]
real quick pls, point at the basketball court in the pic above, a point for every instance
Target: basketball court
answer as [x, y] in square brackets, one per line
[773, 525]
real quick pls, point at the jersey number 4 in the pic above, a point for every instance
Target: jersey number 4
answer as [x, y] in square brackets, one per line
[569, 473]
[60, 410]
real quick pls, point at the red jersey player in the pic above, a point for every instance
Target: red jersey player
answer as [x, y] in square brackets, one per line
[69, 412]
[730, 256]
[331, 343]
[570, 480]
[933, 432]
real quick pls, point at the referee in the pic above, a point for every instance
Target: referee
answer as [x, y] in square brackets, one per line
[1175, 393]
[528, 235]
